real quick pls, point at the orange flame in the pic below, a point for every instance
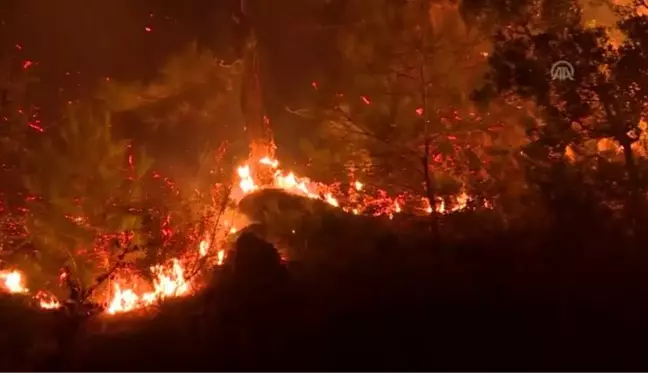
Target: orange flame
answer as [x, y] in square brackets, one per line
[13, 281]
[47, 300]
[170, 280]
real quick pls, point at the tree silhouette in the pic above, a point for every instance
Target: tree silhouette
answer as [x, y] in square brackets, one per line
[605, 100]
[402, 114]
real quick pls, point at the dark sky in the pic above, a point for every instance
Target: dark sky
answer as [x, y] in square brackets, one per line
[73, 43]
[76, 42]
[108, 37]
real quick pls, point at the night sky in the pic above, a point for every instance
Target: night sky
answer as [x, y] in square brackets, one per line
[75, 43]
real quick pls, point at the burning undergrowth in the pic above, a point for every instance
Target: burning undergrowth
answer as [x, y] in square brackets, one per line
[298, 215]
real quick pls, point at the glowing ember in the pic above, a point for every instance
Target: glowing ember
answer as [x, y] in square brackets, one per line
[291, 183]
[170, 279]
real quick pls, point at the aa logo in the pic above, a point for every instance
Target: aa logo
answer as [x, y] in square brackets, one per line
[562, 70]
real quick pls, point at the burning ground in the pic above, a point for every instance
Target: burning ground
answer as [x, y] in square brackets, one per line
[360, 295]
[128, 292]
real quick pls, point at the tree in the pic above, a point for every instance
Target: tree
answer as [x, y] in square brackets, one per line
[189, 120]
[409, 68]
[86, 189]
[20, 126]
[605, 99]
[192, 107]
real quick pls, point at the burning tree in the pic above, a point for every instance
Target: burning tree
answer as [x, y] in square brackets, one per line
[252, 103]
[189, 120]
[85, 190]
[402, 114]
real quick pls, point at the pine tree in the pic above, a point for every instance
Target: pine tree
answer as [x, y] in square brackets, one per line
[189, 120]
[409, 68]
[190, 108]
[85, 187]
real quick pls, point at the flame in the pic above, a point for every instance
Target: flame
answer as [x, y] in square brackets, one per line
[203, 247]
[47, 300]
[13, 281]
[303, 186]
[170, 280]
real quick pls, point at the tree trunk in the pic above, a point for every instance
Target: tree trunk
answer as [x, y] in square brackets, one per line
[430, 193]
[256, 122]
[632, 204]
[634, 200]
[429, 181]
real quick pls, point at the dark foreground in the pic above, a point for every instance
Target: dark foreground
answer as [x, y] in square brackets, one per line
[569, 297]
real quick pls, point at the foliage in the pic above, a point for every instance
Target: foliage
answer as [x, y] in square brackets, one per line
[489, 15]
[362, 281]
[605, 101]
[85, 187]
[191, 108]
[408, 70]
[19, 121]
[189, 120]
[20, 127]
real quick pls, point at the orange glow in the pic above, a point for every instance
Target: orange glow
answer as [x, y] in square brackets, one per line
[128, 292]
[13, 281]
[47, 300]
[169, 282]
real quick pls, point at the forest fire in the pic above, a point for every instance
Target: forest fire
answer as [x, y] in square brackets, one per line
[13, 281]
[286, 181]
[170, 280]
[291, 183]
